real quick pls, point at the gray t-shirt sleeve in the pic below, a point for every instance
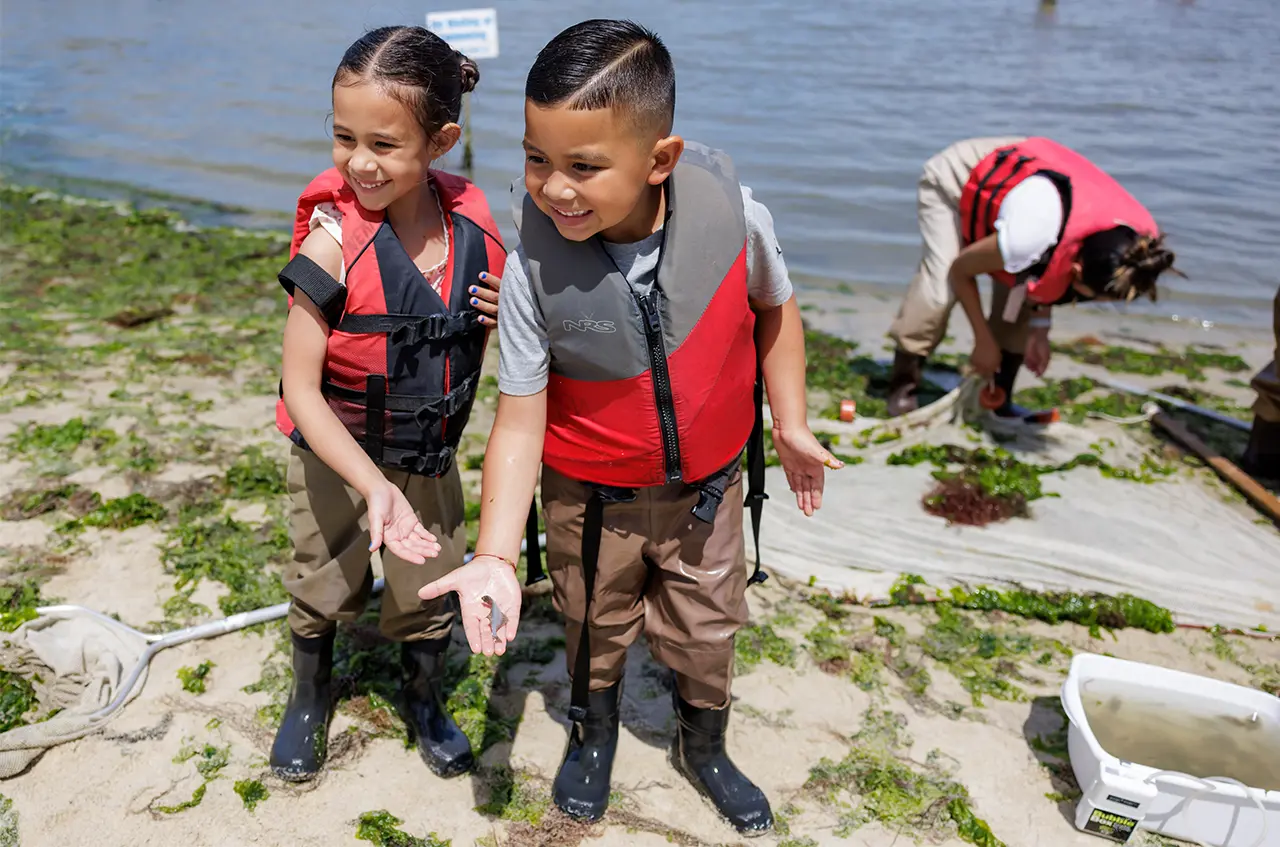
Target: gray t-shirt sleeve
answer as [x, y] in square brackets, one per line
[523, 343]
[767, 278]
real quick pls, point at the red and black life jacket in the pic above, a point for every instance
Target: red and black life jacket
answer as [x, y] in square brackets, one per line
[403, 362]
[648, 390]
[1092, 202]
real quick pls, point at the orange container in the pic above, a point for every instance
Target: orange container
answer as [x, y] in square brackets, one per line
[848, 409]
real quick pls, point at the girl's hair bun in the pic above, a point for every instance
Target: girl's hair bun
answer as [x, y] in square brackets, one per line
[469, 71]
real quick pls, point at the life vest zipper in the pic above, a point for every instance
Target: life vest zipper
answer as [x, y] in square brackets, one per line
[661, 385]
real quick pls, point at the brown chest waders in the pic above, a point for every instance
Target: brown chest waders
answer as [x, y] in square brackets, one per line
[711, 493]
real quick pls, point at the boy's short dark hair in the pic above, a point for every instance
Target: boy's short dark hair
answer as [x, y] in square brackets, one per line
[600, 64]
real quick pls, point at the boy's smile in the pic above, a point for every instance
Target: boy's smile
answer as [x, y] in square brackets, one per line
[592, 172]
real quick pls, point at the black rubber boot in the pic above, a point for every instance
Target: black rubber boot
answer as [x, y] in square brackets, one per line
[904, 381]
[699, 754]
[442, 745]
[303, 737]
[1010, 364]
[581, 788]
[1262, 457]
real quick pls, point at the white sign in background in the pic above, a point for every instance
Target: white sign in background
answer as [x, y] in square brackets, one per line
[472, 32]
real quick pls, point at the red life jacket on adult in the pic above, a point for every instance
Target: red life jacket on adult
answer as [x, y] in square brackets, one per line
[403, 362]
[1091, 202]
[654, 389]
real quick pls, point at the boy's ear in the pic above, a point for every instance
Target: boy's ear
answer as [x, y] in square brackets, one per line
[666, 154]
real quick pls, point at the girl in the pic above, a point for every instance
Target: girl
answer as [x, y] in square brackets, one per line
[387, 326]
[1040, 219]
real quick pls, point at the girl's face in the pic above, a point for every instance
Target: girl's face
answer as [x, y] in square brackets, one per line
[378, 145]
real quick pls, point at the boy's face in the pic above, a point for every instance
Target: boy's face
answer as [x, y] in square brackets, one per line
[593, 173]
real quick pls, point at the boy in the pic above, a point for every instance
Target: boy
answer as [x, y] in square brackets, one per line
[630, 318]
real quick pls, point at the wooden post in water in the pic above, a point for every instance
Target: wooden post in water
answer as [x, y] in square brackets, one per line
[468, 156]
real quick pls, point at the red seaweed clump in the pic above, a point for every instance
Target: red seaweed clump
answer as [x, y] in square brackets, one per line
[962, 500]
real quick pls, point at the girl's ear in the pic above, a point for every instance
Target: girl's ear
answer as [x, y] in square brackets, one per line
[444, 140]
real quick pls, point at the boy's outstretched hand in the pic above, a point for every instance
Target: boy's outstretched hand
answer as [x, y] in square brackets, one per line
[805, 462]
[393, 522]
[483, 583]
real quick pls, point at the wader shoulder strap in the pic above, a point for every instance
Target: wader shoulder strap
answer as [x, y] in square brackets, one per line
[302, 274]
[592, 527]
[532, 549]
[375, 410]
[755, 497]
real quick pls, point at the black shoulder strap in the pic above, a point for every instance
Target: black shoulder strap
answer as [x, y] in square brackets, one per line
[302, 274]
[756, 496]
[532, 549]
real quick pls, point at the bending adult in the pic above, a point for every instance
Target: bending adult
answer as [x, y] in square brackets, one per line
[1046, 224]
[1262, 456]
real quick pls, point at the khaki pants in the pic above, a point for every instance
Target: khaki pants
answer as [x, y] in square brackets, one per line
[922, 319]
[661, 570]
[1267, 382]
[330, 576]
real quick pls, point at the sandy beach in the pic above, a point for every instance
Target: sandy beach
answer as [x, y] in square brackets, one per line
[153, 376]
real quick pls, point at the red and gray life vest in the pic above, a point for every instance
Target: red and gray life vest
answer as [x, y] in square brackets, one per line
[1092, 202]
[653, 389]
[403, 362]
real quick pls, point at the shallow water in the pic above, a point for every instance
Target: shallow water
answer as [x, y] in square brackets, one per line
[1237, 744]
[829, 109]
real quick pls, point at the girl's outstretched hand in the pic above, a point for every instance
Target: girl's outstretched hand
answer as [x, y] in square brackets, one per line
[484, 298]
[393, 522]
[488, 598]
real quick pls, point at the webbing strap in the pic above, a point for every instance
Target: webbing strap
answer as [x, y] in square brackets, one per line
[756, 495]
[982, 183]
[989, 226]
[302, 274]
[592, 528]
[422, 464]
[532, 549]
[375, 397]
[423, 406]
[410, 329]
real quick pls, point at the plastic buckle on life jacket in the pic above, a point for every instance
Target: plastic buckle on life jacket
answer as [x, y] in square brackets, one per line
[445, 405]
[434, 328]
[432, 464]
[430, 327]
[709, 499]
